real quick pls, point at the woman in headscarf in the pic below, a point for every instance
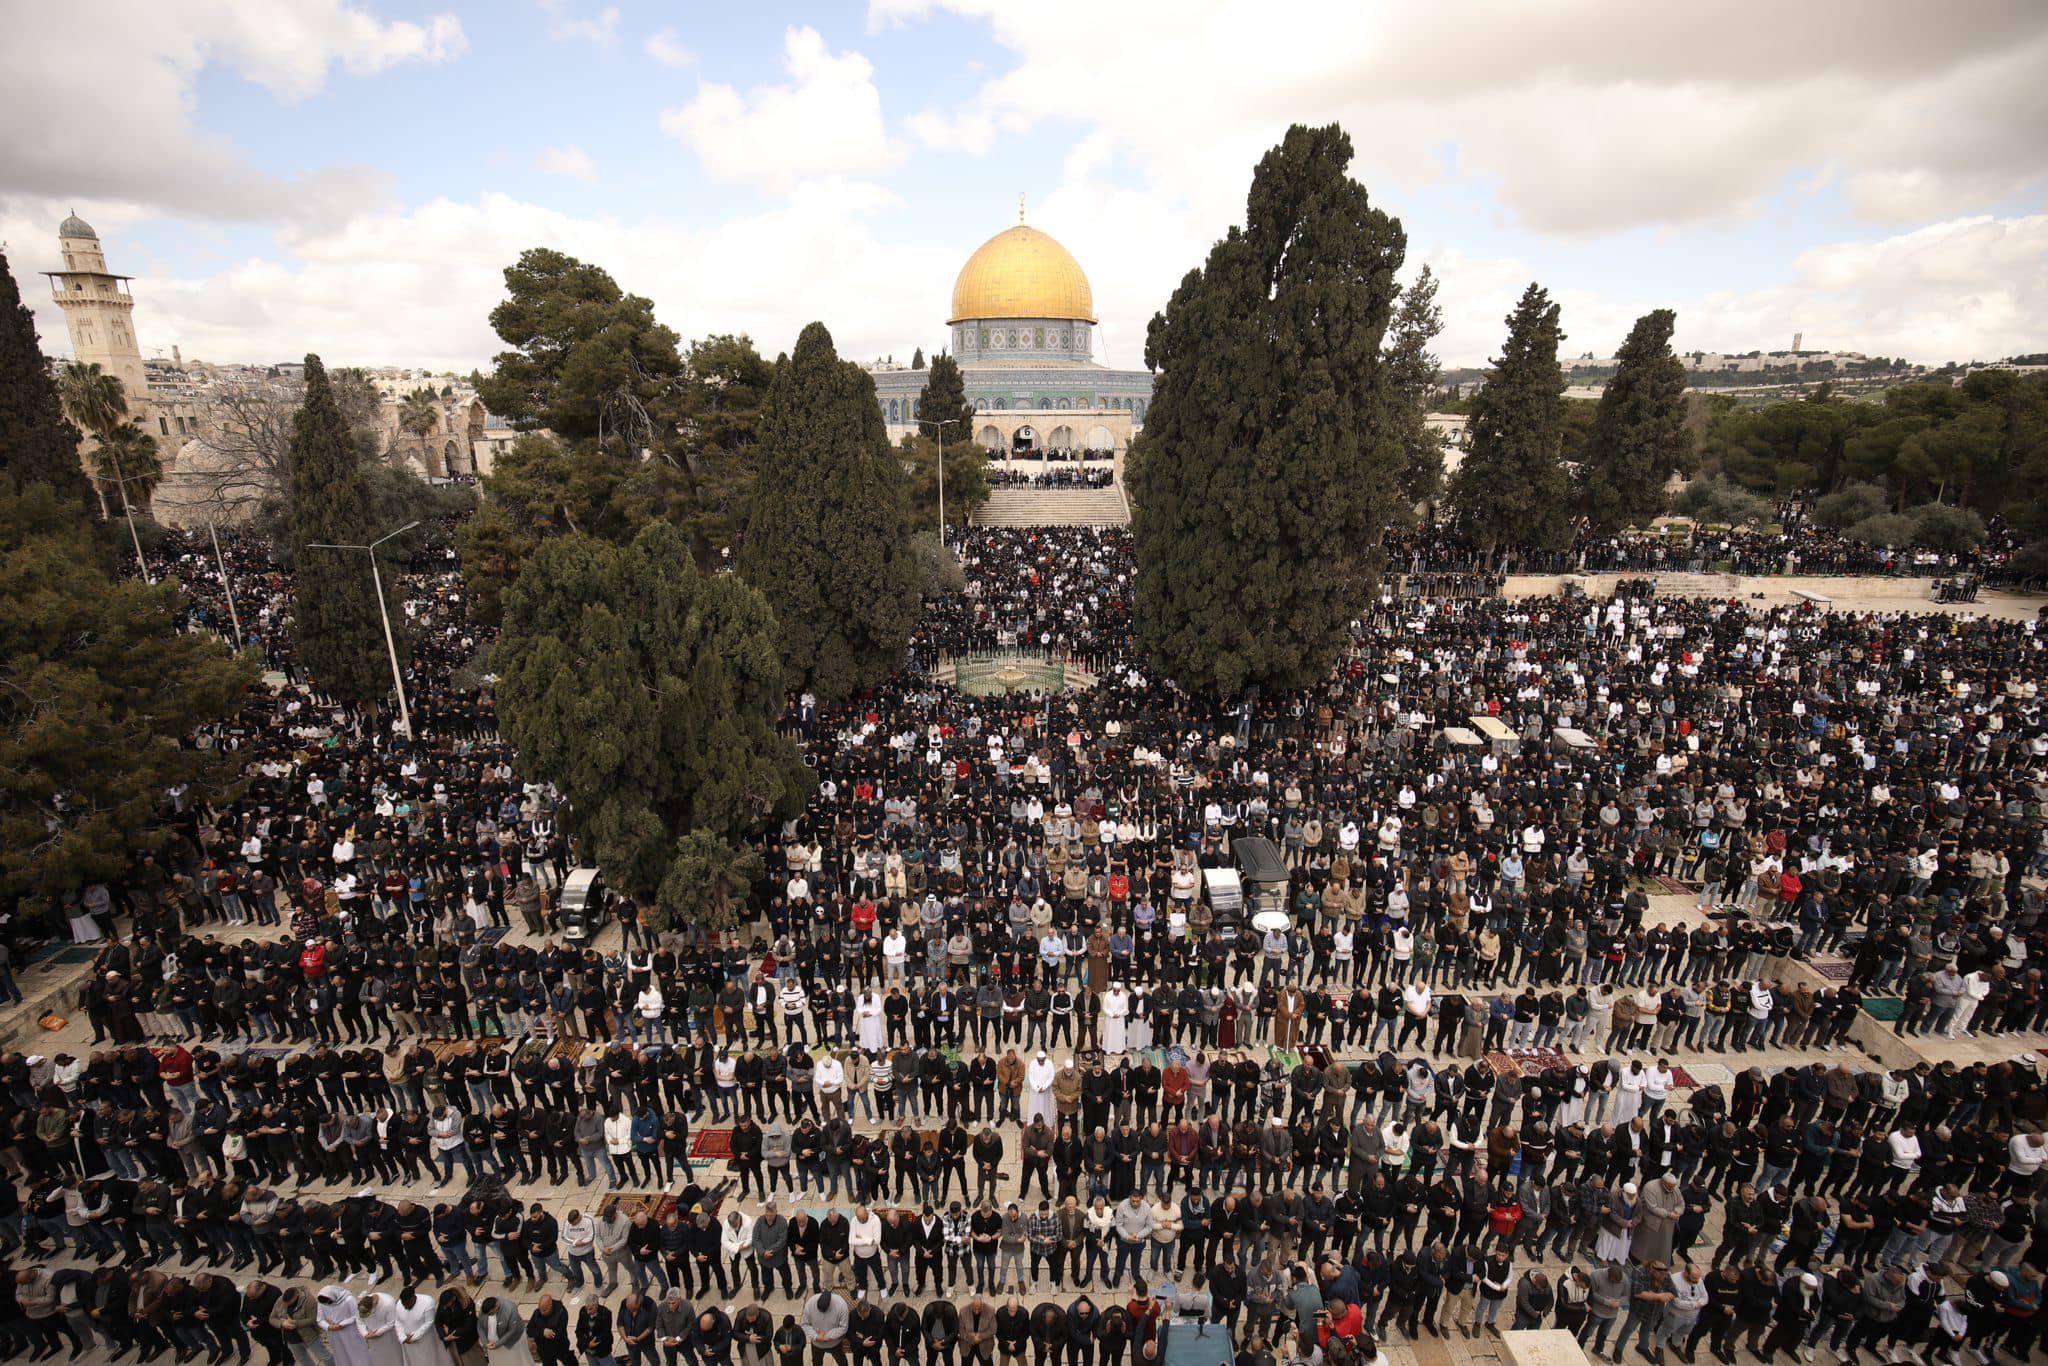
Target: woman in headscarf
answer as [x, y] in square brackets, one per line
[337, 1318]
[379, 1317]
[417, 1339]
[455, 1324]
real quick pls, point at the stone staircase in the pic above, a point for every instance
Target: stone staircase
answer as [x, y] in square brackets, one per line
[1054, 507]
[1696, 585]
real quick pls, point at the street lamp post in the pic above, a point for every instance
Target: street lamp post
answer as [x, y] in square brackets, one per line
[941, 424]
[128, 511]
[228, 588]
[384, 611]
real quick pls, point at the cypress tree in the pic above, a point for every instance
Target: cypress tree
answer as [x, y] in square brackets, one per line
[945, 400]
[1412, 376]
[1638, 439]
[1266, 474]
[1512, 489]
[38, 444]
[649, 693]
[340, 630]
[917, 359]
[828, 542]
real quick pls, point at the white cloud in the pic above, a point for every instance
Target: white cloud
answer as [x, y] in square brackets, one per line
[567, 24]
[335, 288]
[137, 142]
[826, 121]
[972, 131]
[1584, 117]
[666, 48]
[573, 162]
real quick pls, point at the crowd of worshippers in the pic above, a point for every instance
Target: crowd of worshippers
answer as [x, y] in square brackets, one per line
[1403, 1200]
[1830, 776]
[1075, 477]
[1798, 546]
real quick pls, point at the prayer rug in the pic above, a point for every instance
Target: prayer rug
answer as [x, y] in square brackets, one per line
[1525, 1062]
[656, 1203]
[491, 934]
[1681, 1078]
[1887, 1008]
[62, 955]
[708, 1145]
[1834, 969]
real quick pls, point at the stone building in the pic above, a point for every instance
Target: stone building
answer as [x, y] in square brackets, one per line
[1022, 327]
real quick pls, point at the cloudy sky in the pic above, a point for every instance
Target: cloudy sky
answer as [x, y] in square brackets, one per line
[352, 176]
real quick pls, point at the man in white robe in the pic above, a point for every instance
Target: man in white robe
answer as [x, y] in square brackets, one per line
[869, 1012]
[337, 1318]
[1038, 1101]
[379, 1317]
[1116, 1009]
[418, 1343]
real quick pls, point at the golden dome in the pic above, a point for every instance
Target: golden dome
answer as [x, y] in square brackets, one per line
[1022, 273]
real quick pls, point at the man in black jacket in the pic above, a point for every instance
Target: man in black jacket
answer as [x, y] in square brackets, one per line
[548, 1330]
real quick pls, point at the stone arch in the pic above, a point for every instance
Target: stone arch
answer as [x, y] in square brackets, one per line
[1060, 438]
[895, 412]
[448, 456]
[990, 437]
[1100, 438]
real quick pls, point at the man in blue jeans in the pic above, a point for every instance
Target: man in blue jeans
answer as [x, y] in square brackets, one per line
[1133, 1224]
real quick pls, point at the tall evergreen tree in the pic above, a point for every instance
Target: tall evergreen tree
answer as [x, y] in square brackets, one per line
[100, 692]
[1266, 474]
[945, 400]
[340, 630]
[1413, 372]
[829, 541]
[917, 359]
[1639, 438]
[38, 445]
[648, 692]
[1513, 489]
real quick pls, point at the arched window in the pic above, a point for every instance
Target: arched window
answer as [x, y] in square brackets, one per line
[895, 416]
[989, 437]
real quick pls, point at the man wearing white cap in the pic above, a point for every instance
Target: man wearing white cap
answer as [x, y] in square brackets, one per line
[1798, 1310]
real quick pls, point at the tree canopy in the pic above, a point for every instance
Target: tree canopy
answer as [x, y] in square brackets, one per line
[1412, 374]
[1638, 439]
[828, 543]
[652, 433]
[1266, 474]
[38, 444]
[587, 359]
[1512, 488]
[944, 400]
[340, 628]
[648, 692]
[967, 484]
[102, 692]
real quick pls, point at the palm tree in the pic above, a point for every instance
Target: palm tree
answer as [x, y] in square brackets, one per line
[418, 415]
[92, 397]
[94, 400]
[128, 456]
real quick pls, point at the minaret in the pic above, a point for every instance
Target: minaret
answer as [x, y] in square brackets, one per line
[99, 311]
